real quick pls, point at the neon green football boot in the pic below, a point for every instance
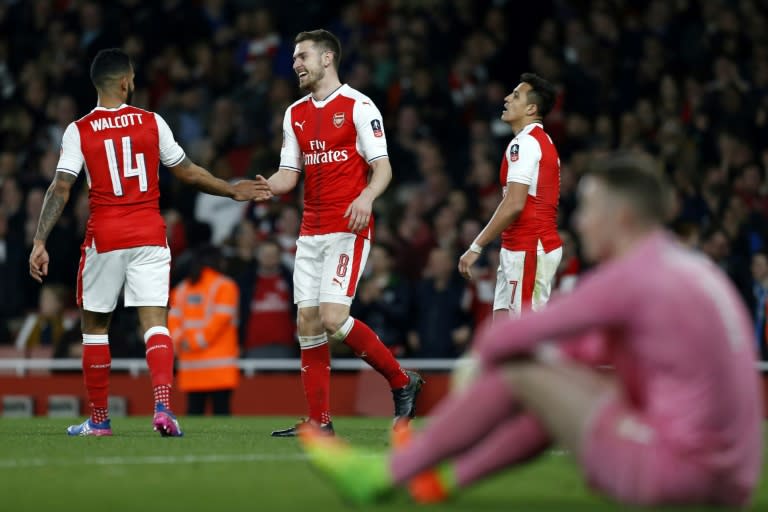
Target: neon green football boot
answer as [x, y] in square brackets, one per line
[361, 477]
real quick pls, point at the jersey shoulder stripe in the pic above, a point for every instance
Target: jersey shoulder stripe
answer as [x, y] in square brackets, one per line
[354, 94]
[298, 102]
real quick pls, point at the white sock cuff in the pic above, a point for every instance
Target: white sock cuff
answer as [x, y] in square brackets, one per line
[343, 331]
[306, 342]
[95, 339]
[158, 329]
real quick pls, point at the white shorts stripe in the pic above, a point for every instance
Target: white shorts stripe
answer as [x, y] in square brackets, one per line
[325, 268]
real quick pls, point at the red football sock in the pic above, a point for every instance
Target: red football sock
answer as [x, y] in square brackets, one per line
[316, 378]
[160, 362]
[370, 349]
[96, 365]
[162, 394]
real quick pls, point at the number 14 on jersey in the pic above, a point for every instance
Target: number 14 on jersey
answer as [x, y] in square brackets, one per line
[129, 171]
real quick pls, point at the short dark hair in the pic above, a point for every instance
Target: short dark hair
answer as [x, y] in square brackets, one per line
[325, 40]
[542, 93]
[636, 179]
[108, 65]
[207, 255]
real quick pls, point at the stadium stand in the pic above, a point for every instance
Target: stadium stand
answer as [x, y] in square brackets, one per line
[684, 82]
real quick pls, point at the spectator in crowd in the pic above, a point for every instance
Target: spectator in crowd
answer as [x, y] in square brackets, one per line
[50, 329]
[758, 300]
[240, 255]
[684, 82]
[384, 300]
[441, 322]
[570, 265]
[203, 325]
[717, 247]
[12, 257]
[286, 233]
[483, 285]
[266, 306]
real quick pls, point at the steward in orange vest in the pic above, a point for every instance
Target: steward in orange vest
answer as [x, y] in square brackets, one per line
[203, 325]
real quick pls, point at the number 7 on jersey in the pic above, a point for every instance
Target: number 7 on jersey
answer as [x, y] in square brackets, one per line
[128, 170]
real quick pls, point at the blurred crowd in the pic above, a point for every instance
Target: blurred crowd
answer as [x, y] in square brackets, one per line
[683, 81]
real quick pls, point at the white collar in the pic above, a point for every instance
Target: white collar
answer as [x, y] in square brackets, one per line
[105, 109]
[329, 98]
[530, 126]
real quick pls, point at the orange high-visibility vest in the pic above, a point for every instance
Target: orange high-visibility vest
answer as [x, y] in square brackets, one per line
[203, 325]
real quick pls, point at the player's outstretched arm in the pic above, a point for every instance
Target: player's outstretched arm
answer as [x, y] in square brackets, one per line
[595, 303]
[56, 198]
[283, 181]
[245, 190]
[359, 210]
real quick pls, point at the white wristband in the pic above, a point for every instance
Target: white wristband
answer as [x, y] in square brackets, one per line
[476, 248]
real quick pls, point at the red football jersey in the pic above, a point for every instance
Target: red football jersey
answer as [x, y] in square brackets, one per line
[531, 159]
[333, 142]
[121, 150]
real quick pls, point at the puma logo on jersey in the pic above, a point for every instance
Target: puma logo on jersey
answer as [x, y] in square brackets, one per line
[336, 281]
[300, 124]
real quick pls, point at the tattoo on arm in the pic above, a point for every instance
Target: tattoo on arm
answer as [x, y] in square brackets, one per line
[56, 198]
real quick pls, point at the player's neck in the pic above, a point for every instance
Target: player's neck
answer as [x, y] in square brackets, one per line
[109, 101]
[325, 88]
[518, 126]
[628, 240]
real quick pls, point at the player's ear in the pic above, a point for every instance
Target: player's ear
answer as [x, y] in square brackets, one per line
[626, 215]
[531, 109]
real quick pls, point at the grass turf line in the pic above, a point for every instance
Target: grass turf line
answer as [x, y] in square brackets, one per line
[233, 464]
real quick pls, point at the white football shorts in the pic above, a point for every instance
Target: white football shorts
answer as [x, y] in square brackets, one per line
[515, 279]
[142, 272]
[328, 268]
[524, 279]
[546, 268]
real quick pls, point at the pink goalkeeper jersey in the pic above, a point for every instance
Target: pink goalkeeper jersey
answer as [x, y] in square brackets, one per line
[681, 343]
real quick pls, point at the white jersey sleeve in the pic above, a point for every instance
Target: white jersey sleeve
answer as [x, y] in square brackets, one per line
[71, 159]
[171, 153]
[371, 141]
[523, 157]
[290, 155]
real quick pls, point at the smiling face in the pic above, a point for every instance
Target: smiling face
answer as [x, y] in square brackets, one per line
[310, 62]
[516, 104]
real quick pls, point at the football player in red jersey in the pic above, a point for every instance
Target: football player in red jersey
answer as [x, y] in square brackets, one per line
[334, 136]
[120, 147]
[526, 218]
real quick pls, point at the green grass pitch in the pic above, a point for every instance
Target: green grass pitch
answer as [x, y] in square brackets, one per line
[232, 464]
